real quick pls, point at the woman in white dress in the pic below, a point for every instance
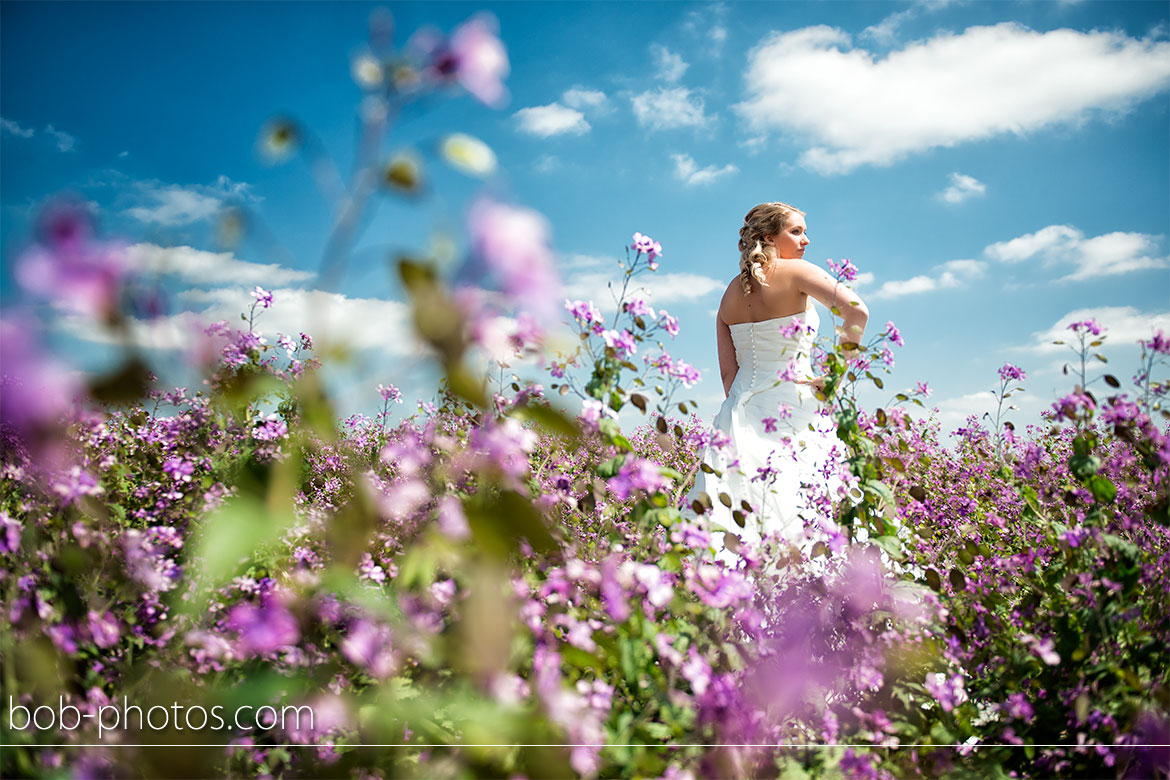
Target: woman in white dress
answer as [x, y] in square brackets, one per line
[776, 442]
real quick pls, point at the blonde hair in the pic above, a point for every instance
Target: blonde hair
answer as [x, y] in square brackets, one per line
[766, 219]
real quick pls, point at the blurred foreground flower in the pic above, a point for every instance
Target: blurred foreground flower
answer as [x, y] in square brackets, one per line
[468, 154]
[476, 58]
[68, 266]
[512, 245]
[35, 389]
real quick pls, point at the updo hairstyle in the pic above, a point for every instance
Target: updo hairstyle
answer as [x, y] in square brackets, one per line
[766, 219]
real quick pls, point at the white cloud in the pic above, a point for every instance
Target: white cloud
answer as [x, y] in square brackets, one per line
[1125, 325]
[688, 171]
[856, 109]
[65, 142]
[953, 273]
[171, 205]
[707, 22]
[210, 268]
[330, 318]
[585, 99]
[962, 188]
[669, 107]
[718, 35]
[912, 286]
[1109, 254]
[546, 163]
[669, 66]
[658, 288]
[885, 32]
[15, 128]
[553, 119]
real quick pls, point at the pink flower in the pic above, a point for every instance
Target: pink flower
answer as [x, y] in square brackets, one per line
[263, 628]
[647, 246]
[1159, 344]
[769, 424]
[452, 521]
[670, 323]
[922, 389]
[367, 645]
[637, 307]
[584, 312]
[620, 341]
[477, 59]
[1008, 372]
[1045, 649]
[69, 266]
[1089, 326]
[948, 692]
[390, 393]
[512, 244]
[636, 474]
[269, 428]
[845, 270]
[103, 628]
[262, 296]
[35, 389]
[894, 335]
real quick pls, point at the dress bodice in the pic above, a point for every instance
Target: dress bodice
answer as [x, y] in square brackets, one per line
[764, 349]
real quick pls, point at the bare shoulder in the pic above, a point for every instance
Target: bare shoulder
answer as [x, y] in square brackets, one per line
[731, 300]
[804, 269]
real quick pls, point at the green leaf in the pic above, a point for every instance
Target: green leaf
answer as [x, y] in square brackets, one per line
[1084, 466]
[933, 580]
[233, 533]
[551, 420]
[498, 523]
[892, 545]
[1102, 488]
[881, 490]
[639, 400]
[958, 581]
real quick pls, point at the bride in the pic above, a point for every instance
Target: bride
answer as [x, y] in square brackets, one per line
[776, 446]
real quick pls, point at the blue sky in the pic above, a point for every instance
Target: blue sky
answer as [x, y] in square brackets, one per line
[995, 169]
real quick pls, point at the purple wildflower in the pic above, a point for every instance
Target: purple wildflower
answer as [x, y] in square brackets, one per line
[894, 335]
[69, 266]
[390, 393]
[670, 323]
[647, 246]
[477, 59]
[636, 474]
[620, 341]
[1008, 372]
[512, 244]
[845, 270]
[263, 628]
[263, 297]
[1089, 326]
[269, 428]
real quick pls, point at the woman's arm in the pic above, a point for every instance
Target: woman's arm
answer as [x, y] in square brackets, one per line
[728, 367]
[817, 282]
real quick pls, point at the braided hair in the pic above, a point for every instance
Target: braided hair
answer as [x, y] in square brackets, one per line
[766, 219]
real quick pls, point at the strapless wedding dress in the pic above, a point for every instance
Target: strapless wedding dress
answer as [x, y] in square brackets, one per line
[778, 448]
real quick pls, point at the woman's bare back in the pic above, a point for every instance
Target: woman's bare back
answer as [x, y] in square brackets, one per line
[781, 298]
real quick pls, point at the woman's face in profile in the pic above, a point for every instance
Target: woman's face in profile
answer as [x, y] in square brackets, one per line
[790, 242]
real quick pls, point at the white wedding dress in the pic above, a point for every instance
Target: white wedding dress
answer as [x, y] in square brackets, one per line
[779, 453]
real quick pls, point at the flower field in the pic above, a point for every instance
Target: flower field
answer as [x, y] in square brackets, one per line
[507, 583]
